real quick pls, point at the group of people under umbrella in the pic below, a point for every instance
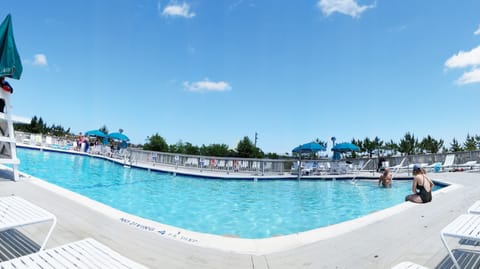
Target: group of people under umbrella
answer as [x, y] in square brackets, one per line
[109, 138]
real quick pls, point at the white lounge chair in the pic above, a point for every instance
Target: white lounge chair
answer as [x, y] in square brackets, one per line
[448, 163]
[86, 253]
[475, 208]
[408, 265]
[16, 212]
[397, 167]
[468, 165]
[466, 227]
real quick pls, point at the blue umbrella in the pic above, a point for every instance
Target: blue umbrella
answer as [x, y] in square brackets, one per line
[345, 147]
[118, 136]
[309, 148]
[96, 133]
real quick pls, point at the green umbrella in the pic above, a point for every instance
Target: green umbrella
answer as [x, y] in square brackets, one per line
[10, 62]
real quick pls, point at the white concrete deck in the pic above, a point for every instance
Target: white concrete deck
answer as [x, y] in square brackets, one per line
[380, 240]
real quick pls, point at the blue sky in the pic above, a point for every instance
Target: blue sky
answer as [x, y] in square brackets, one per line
[215, 71]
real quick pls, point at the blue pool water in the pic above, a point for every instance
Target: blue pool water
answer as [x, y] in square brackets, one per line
[244, 208]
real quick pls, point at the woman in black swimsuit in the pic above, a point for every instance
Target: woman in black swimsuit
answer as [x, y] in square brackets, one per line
[421, 186]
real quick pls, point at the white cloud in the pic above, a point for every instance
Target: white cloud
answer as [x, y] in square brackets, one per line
[40, 60]
[175, 10]
[464, 59]
[347, 7]
[470, 77]
[477, 32]
[207, 86]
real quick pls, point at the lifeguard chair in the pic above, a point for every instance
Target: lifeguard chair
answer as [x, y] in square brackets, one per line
[8, 149]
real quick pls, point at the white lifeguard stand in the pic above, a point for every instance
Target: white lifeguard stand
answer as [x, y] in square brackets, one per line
[8, 149]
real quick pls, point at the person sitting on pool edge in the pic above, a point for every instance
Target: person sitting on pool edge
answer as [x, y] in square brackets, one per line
[385, 179]
[421, 186]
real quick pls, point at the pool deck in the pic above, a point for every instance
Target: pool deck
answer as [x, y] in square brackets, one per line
[380, 240]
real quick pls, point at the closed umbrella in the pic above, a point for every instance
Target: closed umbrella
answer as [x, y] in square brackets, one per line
[10, 62]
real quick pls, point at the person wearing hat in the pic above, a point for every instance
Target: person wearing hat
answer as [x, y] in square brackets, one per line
[421, 186]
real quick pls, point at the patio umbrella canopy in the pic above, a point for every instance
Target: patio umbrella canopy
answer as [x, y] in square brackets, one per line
[345, 147]
[309, 148]
[118, 136]
[10, 62]
[96, 133]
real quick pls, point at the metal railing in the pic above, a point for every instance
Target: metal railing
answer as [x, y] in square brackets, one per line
[230, 164]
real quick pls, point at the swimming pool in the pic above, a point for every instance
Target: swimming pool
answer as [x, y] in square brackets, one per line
[243, 208]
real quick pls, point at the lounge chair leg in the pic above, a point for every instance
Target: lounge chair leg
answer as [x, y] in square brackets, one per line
[49, 233]
[450, 253]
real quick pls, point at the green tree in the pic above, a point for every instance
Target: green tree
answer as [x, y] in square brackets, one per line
[57, 130]
[191, 149]
[430, 145]
[176, 148]
[369, 146]
[219, 150]
[470, 143]
[272, 155]
[455, 146]
[407, 144]
[360, 145]
[246, 149]
[38, 126]
[391, 146]
[156, 143]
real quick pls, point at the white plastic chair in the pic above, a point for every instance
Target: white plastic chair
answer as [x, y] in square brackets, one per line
[466, 227]
[16, 212]
[408, 265]
[86, 253]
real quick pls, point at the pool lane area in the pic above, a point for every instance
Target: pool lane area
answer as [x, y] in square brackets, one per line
[235, 208]
[231, 244]
[228, 242]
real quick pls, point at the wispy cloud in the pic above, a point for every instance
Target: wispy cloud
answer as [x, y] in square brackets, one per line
[206, 86]
[477, 32]
[466, 59]
[177, 10]
[346, 7]
[238, 3]
[40, 60]
[397, 29]
[470, 77]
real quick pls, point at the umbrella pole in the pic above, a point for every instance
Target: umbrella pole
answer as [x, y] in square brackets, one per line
[299, 166]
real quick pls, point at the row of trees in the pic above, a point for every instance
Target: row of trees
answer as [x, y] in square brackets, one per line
[38, 126]
[408, 145]
[245, 148]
